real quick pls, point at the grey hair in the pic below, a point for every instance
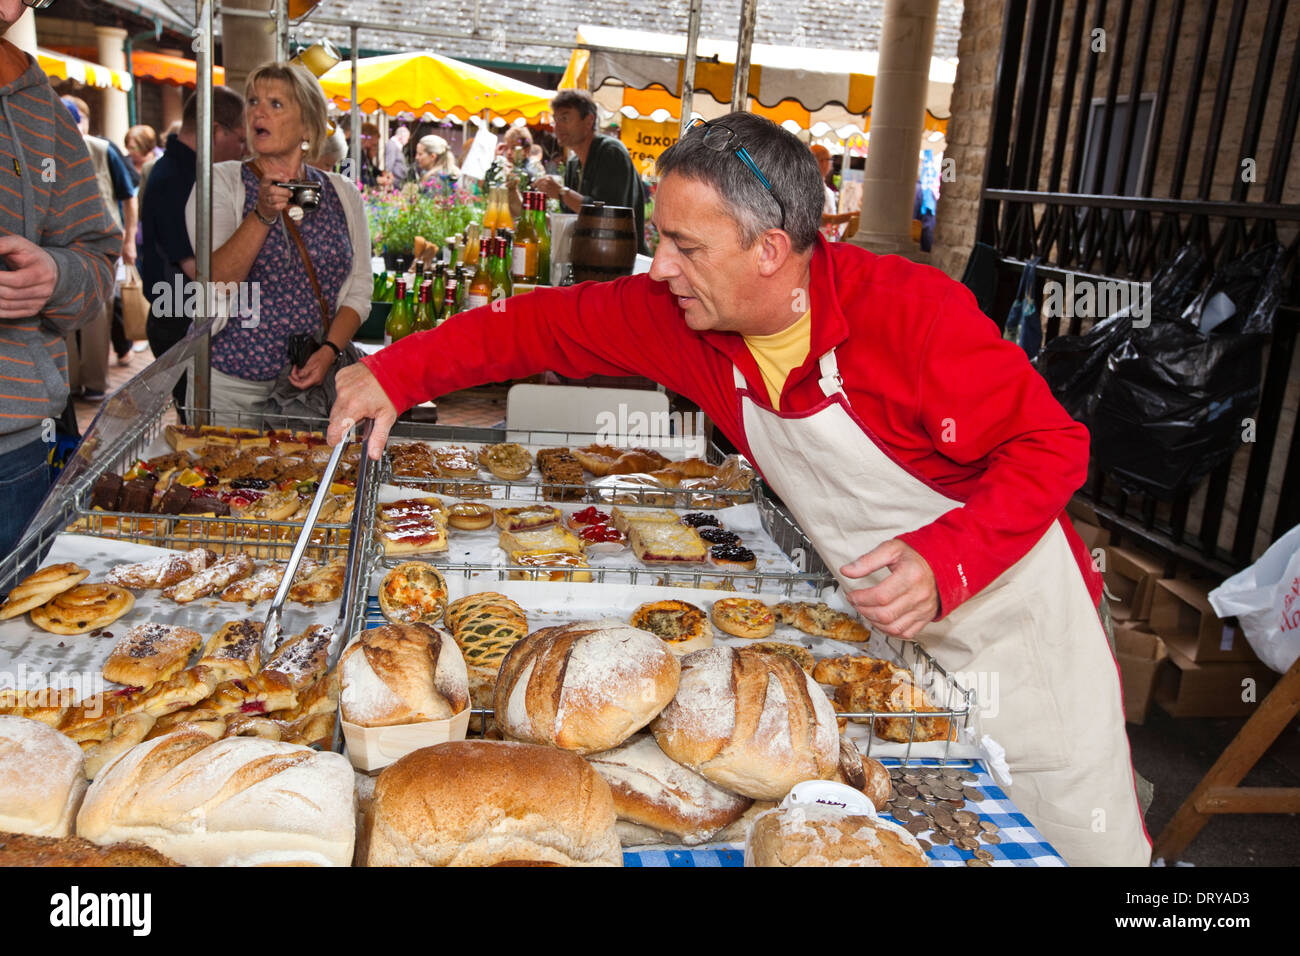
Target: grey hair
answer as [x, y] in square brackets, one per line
[786, 162]
[332, 150]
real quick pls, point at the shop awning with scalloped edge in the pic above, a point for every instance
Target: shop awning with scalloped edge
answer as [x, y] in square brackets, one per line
[165, 68]
[60, 66]
[798, 86]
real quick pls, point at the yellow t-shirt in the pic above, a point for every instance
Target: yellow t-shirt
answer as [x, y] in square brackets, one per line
[780, 354]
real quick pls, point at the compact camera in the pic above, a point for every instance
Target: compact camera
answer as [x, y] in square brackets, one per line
[306, 194]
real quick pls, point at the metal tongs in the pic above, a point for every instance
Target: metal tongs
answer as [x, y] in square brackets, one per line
[271, 629]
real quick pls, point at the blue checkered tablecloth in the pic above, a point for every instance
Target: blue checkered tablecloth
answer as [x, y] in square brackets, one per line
[1021, 845]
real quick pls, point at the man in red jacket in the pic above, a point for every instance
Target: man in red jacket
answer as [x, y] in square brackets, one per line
[924, 456]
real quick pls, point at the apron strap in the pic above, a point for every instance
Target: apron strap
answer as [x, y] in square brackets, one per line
[830, 382]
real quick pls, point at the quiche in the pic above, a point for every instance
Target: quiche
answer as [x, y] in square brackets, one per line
[413, 592]
[526, 517]
[743, 617]
[679, 624]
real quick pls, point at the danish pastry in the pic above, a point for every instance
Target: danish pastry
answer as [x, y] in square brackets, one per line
[83, 608]
[820, 620]
[36, 589]
[149, 653]
[508, 461]
[162, 571]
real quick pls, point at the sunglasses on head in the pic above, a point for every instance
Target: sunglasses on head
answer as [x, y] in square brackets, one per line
[37, 4]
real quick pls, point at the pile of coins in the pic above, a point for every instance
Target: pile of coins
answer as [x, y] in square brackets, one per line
[926, 799]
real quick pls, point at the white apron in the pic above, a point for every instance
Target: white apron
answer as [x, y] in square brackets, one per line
[1033, 634]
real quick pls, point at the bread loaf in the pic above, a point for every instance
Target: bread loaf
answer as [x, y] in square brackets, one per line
[585, 686]
[402, 674]
[480, 802]
[42, 778]
[811, 836]
[650, 790]
[241, 801]
[23, 850]
[753, 723]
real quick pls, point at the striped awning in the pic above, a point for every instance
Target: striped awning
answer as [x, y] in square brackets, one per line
[60, 66]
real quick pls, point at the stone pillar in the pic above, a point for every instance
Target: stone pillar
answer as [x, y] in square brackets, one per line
[23, 33]
[246, 42]
[897, 124]
[115, 118]
[173, 99]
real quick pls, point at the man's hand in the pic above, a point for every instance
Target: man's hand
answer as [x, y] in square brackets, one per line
[360, 396]
[28, 280]
[550, 185]
[905, 601]
[128, 250]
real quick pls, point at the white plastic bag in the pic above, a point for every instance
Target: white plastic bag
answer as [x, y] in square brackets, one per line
[1266, 600]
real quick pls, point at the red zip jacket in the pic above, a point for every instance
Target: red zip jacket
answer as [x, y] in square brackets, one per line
[923, 368]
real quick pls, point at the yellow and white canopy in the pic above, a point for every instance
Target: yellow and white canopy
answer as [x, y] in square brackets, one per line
[426, 82]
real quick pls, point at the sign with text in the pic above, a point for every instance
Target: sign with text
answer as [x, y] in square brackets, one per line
[645, 140]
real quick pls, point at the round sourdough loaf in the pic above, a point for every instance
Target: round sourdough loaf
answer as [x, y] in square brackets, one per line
[585, 686]
[652, 791]
[241, 801]
[751, 722]
[42, 779]
[483, 802]
[813, 836]
[402, 674]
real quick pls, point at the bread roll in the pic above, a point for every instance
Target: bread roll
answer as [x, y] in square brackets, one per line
[585, 686]
[241, 801]
[402, 674]
[651, 790]
[753, 723]
[42, 778]
[480, 802]
[811, 836]
[23, 850]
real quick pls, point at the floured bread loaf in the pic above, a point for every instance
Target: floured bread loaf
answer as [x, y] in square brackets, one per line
[42, 779]
[402, 674]
[652, 791]
[240, 801]
[585, 686]
[811, 836]
[753, 723]
[482, 802]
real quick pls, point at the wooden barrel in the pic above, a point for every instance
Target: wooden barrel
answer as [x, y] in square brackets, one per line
[604, 243]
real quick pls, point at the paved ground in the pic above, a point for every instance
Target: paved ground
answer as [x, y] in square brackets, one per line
[1172, 753]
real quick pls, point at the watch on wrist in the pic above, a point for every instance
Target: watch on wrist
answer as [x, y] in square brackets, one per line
[260, 218]
[338, 352]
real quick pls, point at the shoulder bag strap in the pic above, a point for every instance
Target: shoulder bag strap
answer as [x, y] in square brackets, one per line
[292, 229]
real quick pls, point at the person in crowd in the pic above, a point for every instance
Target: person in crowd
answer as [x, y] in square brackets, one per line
[395, 156]
[924, 456]
[832, 220]
[166, 253]
[599, 167]
[117, 187]
[434, 161]
[57, 247]
[927, 197]
[369, 154]
[141, 146]
[332, 152]
[298, 269]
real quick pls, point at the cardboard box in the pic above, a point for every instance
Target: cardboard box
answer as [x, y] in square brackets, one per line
[1093, 536]
[1140, 654]
[1080, 510]
[1187, 688]
[1182, 616]
[1131, 578]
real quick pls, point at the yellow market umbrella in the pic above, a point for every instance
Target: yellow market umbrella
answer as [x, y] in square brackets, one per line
[424, 82]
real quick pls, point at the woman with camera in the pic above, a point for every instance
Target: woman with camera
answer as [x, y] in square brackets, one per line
[294, 242]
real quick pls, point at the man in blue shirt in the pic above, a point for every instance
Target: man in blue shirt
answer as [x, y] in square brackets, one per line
[166, 256]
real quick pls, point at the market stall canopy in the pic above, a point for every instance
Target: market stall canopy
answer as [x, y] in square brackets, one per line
[61, 66]
[425, 82]
[164, 68]
[794, 85]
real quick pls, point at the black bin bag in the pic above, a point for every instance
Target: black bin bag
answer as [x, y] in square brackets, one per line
[1171, 402]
